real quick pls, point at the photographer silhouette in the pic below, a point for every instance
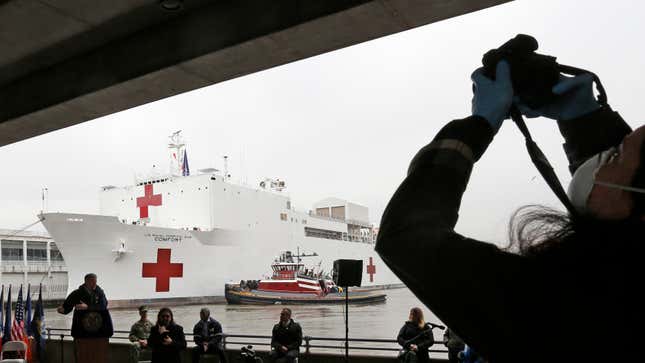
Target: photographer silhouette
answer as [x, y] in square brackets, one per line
[537, 300]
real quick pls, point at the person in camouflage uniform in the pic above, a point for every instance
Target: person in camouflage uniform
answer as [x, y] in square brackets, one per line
[139, 335]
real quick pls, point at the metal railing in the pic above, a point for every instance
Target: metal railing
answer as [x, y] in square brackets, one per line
[32, 266]
[310, 343]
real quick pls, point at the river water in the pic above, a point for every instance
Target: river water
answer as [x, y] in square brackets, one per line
[380, 321]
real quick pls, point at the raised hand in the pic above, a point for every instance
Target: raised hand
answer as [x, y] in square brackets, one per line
[575, 98]
[492, 99]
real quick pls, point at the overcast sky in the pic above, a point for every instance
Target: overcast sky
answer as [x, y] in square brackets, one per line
[346, 123]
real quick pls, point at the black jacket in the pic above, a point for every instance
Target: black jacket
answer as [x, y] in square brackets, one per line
[509, 307]
[167, 353]
[452, 341]
[95, 322]
[410, 333]
[214, 327]
[289, 336]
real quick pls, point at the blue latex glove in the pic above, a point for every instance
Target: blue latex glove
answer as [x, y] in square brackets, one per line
[492, 99]
[575, 99]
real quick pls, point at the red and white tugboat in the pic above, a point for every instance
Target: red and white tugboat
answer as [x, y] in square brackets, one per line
[292, 283]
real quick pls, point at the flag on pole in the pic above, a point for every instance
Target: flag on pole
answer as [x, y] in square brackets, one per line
[18, 326]
[28, 312]
[1, 316]
[6, 329]
[185, 170]
[28, 331]
[38, 327]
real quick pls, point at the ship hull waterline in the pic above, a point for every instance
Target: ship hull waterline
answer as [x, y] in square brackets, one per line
[255, 297]
[165, 265]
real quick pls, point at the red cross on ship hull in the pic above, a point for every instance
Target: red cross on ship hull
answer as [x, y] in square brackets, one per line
[162, 270]
[371, 270]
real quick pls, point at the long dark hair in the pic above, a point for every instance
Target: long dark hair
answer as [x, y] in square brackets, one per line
[165, 310]
[533, 229]
[537, 230]
[417, 317]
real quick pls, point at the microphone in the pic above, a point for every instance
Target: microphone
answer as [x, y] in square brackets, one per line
[436, 326]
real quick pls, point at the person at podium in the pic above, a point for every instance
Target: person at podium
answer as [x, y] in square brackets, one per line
[91, 323]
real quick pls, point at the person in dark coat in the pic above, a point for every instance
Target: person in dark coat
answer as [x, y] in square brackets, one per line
[207, 335]
[286, 339]
[91, 323]
[535, 301]
[416, 336]
[166, 339]
[454, 344]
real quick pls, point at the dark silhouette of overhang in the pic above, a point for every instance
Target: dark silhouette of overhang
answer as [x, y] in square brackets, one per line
[63, 62]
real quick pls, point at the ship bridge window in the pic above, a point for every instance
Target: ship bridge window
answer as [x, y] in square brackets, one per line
[323, 233]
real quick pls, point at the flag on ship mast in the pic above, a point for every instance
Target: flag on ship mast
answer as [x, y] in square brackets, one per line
[185, 170]
[6, 329]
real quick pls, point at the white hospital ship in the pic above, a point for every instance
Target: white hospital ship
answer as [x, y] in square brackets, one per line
[180, 237]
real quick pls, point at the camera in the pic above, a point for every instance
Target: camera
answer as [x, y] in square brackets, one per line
[533, 75]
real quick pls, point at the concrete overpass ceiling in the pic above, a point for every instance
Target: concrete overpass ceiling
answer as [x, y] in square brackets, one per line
[63, 62]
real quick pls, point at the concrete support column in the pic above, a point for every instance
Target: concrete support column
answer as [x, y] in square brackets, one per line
[49, 259]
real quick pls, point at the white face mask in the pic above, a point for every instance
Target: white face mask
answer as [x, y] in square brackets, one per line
[584, 180]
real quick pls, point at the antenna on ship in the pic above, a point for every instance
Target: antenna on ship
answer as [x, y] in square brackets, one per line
[177, 146]
[299, 256]
[226, 175]
[43, 192]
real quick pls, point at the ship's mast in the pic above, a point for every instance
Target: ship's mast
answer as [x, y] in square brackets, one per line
[226, 168]
[177, 147]
[299, 256]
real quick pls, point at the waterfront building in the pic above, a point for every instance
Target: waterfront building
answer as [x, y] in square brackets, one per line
[30, 257]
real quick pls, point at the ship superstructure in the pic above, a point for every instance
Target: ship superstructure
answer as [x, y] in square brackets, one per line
[183, 235]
